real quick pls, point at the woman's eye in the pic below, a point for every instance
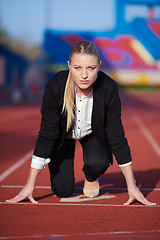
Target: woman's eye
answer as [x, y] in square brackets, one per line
[77, 68]
[91, 68]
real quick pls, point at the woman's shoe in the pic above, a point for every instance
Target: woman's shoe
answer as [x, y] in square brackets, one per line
[91, 193]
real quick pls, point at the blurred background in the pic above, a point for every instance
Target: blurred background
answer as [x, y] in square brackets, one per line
[36, 37]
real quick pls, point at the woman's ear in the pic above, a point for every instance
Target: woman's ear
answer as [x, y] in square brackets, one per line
[68, 64]
[100, 64]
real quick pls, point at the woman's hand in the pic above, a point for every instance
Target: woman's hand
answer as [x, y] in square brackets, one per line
[135, 194]
[26, 192]
[133, 191]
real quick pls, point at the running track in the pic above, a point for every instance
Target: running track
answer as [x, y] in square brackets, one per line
[78, 217]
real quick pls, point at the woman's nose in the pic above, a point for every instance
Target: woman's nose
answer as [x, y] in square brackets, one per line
[84, 74]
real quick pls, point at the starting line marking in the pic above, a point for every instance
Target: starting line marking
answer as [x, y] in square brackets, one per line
[80, 204]
[102, 234]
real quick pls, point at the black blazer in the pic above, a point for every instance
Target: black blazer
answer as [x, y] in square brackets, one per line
[106, 118]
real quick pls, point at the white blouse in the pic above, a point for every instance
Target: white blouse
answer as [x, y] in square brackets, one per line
[83, 115]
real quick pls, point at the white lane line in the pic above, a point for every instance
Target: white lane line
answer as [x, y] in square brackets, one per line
[22, 237]
[146, 132]
[79, 204]
[15, 166]
[79, 188]
[13, 186]
[58, 236]
[124, 232]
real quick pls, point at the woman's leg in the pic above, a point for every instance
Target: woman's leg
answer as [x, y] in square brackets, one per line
[95, 158]
[62, 170]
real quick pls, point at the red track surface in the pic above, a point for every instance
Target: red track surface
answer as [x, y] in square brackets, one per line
[78, 217]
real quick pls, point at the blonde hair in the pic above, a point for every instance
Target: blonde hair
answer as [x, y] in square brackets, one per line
[69, 107]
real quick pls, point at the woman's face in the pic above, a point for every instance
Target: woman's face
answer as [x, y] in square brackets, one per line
[83, 69]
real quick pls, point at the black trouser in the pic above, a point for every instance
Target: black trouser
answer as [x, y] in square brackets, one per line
[61, 166]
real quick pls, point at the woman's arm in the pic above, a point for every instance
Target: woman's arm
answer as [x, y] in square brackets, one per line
[48, 134]
[114, 128]
[119, 146]
[133, 191]
[27, 191]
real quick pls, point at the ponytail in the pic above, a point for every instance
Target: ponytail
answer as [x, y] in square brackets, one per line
[68, 101]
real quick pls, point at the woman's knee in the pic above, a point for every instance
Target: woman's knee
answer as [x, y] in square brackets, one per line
[62, 191]
[97, 167]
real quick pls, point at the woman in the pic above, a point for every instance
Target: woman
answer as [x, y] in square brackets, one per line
[82, 103]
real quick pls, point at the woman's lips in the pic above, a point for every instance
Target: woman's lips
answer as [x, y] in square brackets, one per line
[84, 81]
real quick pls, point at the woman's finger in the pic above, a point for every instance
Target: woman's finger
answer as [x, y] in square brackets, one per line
[32, 199]
[26, 192]
[130, 200]
[137, 195]
[146, 202]
[16, 199]
[20, 198]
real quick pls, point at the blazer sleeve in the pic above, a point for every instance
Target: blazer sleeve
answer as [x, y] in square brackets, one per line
[49, 129]
[114, 128]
